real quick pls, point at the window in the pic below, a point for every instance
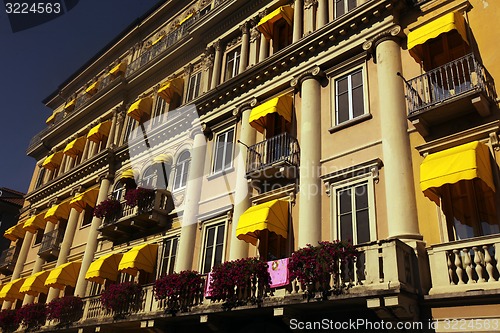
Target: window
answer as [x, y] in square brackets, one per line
[352, 213]
[282, 35]
[223, 151]
[149, 178]
[213, 246]
[470, 210]
[181, 170]
[349, 97]
[41, 175]
[193, 86]
[343, 6]
[38, 236]
[159, 111]
[88, 215]
[168, 256]
[128, 129]
[118, 191]
[232, 64]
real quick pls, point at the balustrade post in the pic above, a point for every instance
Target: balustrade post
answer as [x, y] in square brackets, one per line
[458, 265]
[478, 261]
[488, 261]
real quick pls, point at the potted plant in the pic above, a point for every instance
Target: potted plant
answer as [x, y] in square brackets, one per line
[66, 310]
[122, 298]
[8, 321]
[179, 291]
[108, 208]
[313, 266]
[32, 316]
[240, 282]
[139, 196]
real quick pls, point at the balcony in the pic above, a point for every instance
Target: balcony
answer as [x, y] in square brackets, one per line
[449, 92]
[8, 260]
[465, 267]
[277, 157]
[383, 281]
[51, 244]
[148, 216]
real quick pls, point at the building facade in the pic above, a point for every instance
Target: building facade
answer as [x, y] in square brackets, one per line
[255, 128]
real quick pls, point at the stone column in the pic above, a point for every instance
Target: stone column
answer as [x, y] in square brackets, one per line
[86, 148]
[62, 166]
[254, 46]
[28, 299]
[264, 48]
[399, 186]
[310, 8]
[245, 40]
[217, 65]
[91, 247]
[310, 154]
[21, 260]
[298, 16]
[112, 131]
[322, 13]
[239, 248]
[187, 238]
[120, 121]
[67, 241]
[207, 63]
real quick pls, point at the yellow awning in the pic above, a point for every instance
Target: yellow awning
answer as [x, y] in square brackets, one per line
[142, 257]
[75, 147]
[446, 23]
[52, 117]
[92, 88]
[120, 68]
[105, 267]
[168, 89]
[35, 284]
[70, 105]
[272, 216]
[57, 212]
[282, 105]
[53, 161]
[465, 162]
[99, 132]
[185, 19]
[64, 275]
[35, 223]
[14, 233]
[157, 40]
[80, 201]
[128, 174]
[163, 158]
[266, 24]
[10, 291]
[140, 108]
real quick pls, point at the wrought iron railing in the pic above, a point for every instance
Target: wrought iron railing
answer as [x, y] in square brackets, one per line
[460, 76]
[51, 241]
[282, 148]
[9, 256]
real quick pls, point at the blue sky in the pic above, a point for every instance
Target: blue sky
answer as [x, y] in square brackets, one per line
[34, 62]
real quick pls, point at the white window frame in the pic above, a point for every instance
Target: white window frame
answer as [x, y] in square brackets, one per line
[236, 51]
[217, 222]
[151, 179]
[129, 129]
[346, 7]
[194, 86]
[162, 256]
[365, 173]
[178, 173]
[335, 80]
[160, 111]
[225, 166]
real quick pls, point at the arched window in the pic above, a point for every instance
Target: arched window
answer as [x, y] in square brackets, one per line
[119, 190]
[149, 178]
[181, 170]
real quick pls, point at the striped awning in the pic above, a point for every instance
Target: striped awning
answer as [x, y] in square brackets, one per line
[99, 132]
[266, 24]
[120, 68]
[10, 291]
[70, 105]
[281, 105]
[141, 257]
[14, 233]
[170, 88]
[80, 201]
[92, 88]
[163, 158]
[140, 108]
[35, 284]
[35, 223]
[53, 161]
[64, 275]
[75, 147]
[104, 268]
[58, 212]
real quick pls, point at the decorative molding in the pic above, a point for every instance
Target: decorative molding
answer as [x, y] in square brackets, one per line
[245, 106]
[314, 73]
[310, 3]
[395, 33]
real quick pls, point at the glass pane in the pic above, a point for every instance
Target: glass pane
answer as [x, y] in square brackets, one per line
[207, 266]
[342, 108]
[339, 8]
[210, 237]
[361, 200]
[346, 233]
[229, 149]
[358, 106]
[218, 255]
[344, 199]
[362, 226]
[220, 234]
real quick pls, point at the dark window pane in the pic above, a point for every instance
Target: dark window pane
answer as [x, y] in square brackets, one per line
[346, 233]
[345, 201]
[362, 226]
[361, 197]
[358, 107]
[339, 8]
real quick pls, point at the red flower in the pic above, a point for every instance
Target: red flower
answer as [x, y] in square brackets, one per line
[66, 309]
[122, 298]
[107, 208]
[32, 316]
[8, 321]
[179, 290]
[138, 196]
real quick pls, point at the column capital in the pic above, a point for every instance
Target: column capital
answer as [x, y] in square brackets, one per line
[243, 107]
[314, 73]
[200, 128]
[395, 33]
[208, 60]
[217, 45]
[254, 34]
[188, 70]
[245, 28]
[310, 3]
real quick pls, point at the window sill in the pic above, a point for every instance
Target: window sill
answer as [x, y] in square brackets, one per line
[220, 173]
[351, 122]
